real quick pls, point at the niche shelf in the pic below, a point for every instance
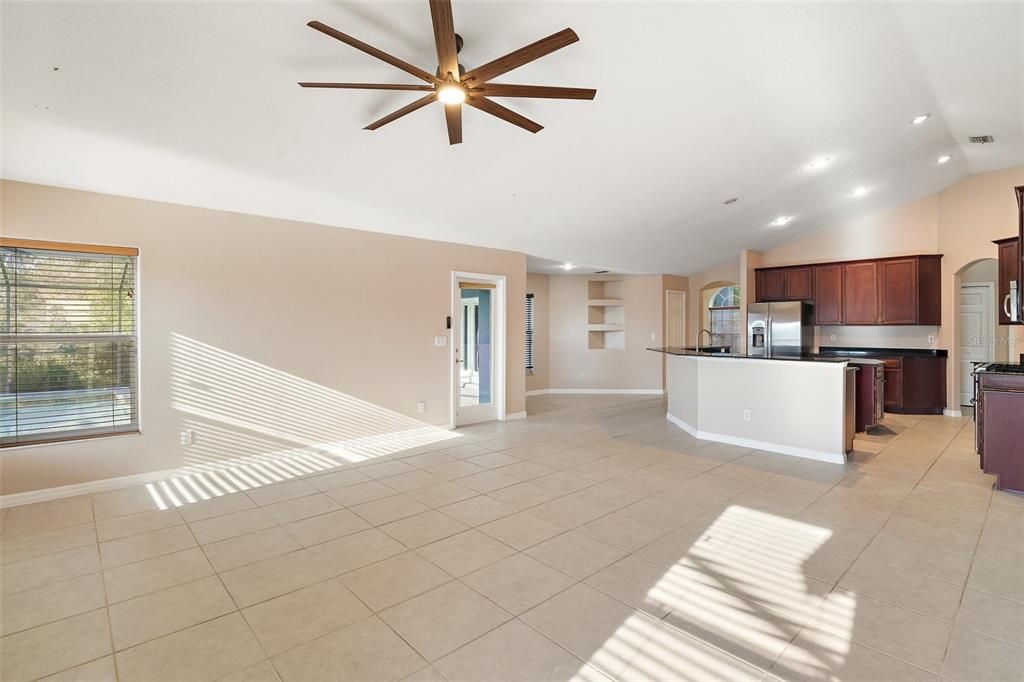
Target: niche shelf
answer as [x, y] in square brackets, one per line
[606, 314]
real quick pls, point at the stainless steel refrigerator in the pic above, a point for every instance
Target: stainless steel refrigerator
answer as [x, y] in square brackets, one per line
[780, 329]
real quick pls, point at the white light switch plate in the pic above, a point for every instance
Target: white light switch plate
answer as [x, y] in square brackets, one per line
[440, 341]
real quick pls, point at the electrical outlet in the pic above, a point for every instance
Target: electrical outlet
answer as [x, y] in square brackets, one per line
[832, 337]
[440, 341]
[653, 336]
[931, 338]
[421, 407]
[746, 415]
[581, 375]
[188, 437]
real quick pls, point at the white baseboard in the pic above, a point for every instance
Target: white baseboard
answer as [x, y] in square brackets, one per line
[819, 455]
[946, 412]
[102, 485]
[597, 391]
[515, 415]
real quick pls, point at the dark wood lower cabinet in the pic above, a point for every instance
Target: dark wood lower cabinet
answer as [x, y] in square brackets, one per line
[915, 380]
[999, 411]
[893, 388]
[915, 385]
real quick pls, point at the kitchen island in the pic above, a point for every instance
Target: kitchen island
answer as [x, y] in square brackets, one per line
[800, 406]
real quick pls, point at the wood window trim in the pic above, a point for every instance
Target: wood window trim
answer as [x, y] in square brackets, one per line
[15, 243]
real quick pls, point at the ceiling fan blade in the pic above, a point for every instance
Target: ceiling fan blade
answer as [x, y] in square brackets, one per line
[407, 109]
[370, 50]
[444, 38]
[495, 109]
[508, 90]
[370, 86]
[524, 55]
[453, 117]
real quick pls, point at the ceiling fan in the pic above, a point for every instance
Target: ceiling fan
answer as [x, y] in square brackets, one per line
[452, 84]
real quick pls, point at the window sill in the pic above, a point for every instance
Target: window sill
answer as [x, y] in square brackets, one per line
[67, 441]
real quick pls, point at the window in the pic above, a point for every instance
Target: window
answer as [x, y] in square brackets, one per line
[724, 311]
[69, 341]
[529, 333]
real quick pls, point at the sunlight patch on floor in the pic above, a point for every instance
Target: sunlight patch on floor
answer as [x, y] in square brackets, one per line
[736, 597]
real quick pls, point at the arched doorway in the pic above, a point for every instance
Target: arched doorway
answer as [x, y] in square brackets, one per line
[978, 337]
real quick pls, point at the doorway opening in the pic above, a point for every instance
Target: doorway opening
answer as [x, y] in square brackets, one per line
[977, 340]
[478, 348]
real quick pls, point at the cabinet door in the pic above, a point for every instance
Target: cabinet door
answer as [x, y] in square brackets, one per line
[860, 293]
[799, 284]
[1008, 265]
[898, 291]
[828, 294]
[1020, 250]
[771, 285]
[893, 388]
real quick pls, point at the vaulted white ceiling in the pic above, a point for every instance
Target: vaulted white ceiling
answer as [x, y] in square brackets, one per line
[196, 103]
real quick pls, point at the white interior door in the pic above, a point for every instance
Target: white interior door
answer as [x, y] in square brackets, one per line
[977, 339]
[675, 318]
[478, 349]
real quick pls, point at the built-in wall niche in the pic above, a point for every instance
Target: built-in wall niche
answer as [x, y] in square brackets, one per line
[606, 314]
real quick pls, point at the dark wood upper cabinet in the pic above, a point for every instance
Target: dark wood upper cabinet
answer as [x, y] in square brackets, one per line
[771, 285]
[860, 293]
[1020, 250]
[891, 291]
[828, 294]
[1009, 271]
[897, 291]
[799, 284]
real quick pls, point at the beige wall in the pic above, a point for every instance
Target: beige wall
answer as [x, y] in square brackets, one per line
[960, 222]
[537, 284]
[574, 366]
[330, 316]
[971, 214]
[904, 230]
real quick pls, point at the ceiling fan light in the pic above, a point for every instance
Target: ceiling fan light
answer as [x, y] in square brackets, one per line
[451, 94]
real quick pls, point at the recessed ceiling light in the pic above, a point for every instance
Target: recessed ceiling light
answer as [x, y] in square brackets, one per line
[860, 191]
[920, 118]
[567, 266]
[945, 158]
[781, 220]
[819, 163]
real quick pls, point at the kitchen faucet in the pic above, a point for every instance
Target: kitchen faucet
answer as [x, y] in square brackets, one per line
[711, 338]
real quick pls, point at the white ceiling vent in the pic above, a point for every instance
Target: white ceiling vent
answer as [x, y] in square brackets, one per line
[981, 139]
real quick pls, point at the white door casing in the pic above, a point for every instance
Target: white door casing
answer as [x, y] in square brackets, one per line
[462, 415]
[675, 318]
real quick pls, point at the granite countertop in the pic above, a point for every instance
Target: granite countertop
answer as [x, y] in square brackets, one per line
[883, 352]
[1001, 368]
[692, 352]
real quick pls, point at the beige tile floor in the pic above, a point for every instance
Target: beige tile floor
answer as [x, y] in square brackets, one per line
[592, 541]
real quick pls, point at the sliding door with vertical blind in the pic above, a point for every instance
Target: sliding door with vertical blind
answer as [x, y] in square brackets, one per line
[69, 341]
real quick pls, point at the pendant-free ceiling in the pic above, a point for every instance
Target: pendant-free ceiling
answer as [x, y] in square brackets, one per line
[452, 84]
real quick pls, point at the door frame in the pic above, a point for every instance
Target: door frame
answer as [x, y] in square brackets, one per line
[498, 341]
[668, 293]
[990, 303]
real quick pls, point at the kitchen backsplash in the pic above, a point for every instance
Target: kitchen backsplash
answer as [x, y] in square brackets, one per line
[877, 337]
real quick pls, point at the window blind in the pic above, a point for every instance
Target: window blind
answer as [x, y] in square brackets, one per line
[69, 342]
[529, 333]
